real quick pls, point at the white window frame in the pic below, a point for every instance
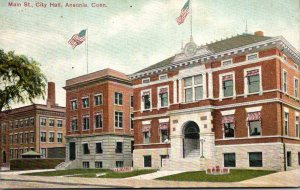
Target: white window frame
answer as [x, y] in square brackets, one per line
[246, 92]
[53, 122]
[193, 86]
[144, 79]
[226, 60]
[86, 116]
[158, 97]
[250, 110]
[117, 127]
[45, 136]
[82, 106]
[41, 122]
[61, 123]
[296, 94]
[297, 124]
[286, 120]
[249, 55]
[101, 99]
[163, 75]
[142, 101]
[221, 89]
[71, 127]
[118, 102]
[101, 118]
[62, 136]
[284, 83]
[50, 136]
[71, 104]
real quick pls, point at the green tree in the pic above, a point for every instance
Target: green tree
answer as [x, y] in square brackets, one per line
[21, 80]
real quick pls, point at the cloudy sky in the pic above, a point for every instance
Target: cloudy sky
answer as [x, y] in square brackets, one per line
[129, 35]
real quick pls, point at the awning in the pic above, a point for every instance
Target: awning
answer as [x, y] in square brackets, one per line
[146, 128]
[228, 119]
[253, 72]
[253, 116]
[145, 94]
[163, 90]
[227, 78]
[163, 126]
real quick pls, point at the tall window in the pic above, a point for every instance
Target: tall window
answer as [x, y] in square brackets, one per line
[59, 123]
[146, 99]
[31, 121]
[32, 137]
[286, 123]
[146, 134]
[59, 137]
[21, 123]
[85, 102]
[51, 137]
[131, 101]
[229, 159]
[98, 99]
[11, 139]
[253, 81]
[99, 148]
[131, 120]
[74, 124]
[85, 148]
[255, 159]
[284, 81]
[21, 138]
[228, 123]
[43, 121]
[98, 121]
[26, 138]
[118, 119]
[163, 97]
[193, 88]
[296, 87]
[86, 122]
[289, 158]
[26, 122]
[119, 147]
[254, 123]
[43, 152]
[164, 135]
[43, 136]
[16, 124]
[118, 98]
[74, 105]
[51, 122]
[16, 138]
[297, 127]
[227, 82]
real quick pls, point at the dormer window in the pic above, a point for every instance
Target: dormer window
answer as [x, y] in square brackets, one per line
[146, 80]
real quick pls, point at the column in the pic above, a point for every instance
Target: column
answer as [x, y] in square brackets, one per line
[210, 86]
[180, 90]
[175, 92]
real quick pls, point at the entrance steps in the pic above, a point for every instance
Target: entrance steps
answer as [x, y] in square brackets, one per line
[187, 164]
[194, 153]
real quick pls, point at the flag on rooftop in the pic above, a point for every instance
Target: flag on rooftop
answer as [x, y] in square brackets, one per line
[184, 13]
[77, 39]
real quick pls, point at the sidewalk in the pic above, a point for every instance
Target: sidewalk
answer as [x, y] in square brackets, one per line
[155, 175]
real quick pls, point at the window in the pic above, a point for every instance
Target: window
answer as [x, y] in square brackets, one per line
[11, 139]
[59, 123]
[146, 136]
[296, 66]
[147, 161]
[98, 99]
[17, 153]
[51, 137]
[147, 80]
[98, 164]
[132, 146]
[284, 81]
[21, 152]
[32, 137]
[252, 56]
[229, 159]
[59, 137]
[228, 123]
[86, 123]
[74, 124]
[21, 123]
[119, 147]
[26, 138]
[296, 87]
[85, 102]
[286, 123]
[299, 158]
[86, 164]
[31, 121]
[255, 159]
[227, 85]
[43, 121]
[51, 122]
[163, 97]
[193, 88]
[99, 148]
[98, 121]
[26, 122]
[11, 125]
[85, 147]
[163, 77]
[289, 158]
[43, 152]
[164, 135]
[227, 62]
[297, 127]
[253, 81]
[11, 153]
[118, 98]
[131, 101]
[43, 136]
[146, 100]
[73, 104]
[16, 124]
[118, 119]
[254, 123]
[131, 120]
[21, 138]
[119, 164]
[16, 138]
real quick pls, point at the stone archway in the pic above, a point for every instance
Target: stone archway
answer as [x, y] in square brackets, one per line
[4, 157]
[191, 139]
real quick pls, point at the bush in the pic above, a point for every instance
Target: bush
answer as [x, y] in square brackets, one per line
[34, 163]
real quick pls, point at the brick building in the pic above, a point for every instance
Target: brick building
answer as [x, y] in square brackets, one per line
[35, 127]
[99, 127]
[232, 103]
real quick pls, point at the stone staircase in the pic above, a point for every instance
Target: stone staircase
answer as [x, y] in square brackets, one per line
[63, 166]
[187, 164]
[194, 153]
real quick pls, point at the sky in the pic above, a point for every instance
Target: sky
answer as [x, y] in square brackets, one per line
[129, 35]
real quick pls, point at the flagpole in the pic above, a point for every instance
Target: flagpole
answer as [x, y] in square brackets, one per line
[191, 20]
[87, 50]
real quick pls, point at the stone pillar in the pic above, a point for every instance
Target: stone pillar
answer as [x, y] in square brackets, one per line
[175, 92]
[210, 86]
[204, 86]
[180, 90]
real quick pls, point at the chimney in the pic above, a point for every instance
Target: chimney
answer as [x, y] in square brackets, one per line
[259, 33]
[51, 94]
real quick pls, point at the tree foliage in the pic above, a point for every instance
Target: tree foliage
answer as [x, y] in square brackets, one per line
[21, 80]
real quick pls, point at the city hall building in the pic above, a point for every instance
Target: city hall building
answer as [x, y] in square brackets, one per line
[37, 127]
[232, 103]
[99, 116]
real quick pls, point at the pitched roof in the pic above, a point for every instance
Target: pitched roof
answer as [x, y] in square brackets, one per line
[219, 46]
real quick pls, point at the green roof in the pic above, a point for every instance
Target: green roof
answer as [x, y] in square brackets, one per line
[31, 153]
[219, 46]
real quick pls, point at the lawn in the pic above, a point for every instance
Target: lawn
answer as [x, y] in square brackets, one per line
[234, 176]
[92, 173]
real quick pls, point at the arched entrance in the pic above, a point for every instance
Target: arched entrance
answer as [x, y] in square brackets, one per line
[3, 157]
[191, 143]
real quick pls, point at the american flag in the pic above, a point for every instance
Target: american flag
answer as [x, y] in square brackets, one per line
[77, 39]
[184, 13]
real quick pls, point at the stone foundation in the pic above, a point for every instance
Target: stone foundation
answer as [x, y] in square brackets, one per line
[138, 157]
